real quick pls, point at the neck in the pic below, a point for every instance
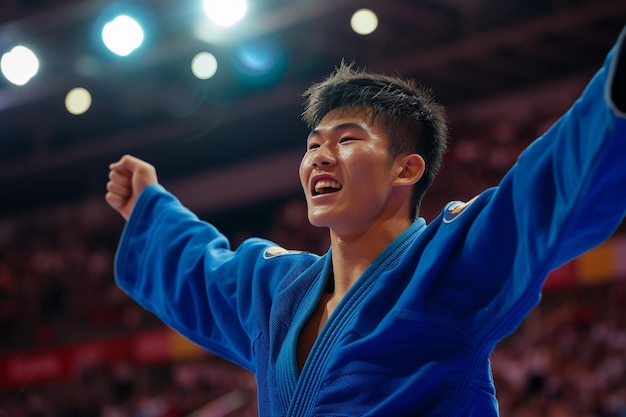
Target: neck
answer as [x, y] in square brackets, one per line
[354, 253]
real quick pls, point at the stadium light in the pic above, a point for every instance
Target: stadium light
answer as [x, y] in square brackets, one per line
[204, 65]
[122, 35]
[78, 101]
[260, 62]
[19, 65]
[225, 13]
[364, 21]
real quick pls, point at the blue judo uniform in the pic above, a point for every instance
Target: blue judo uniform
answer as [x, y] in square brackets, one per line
[414, 334]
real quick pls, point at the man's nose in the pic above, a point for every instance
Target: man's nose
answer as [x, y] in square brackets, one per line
[323, 157]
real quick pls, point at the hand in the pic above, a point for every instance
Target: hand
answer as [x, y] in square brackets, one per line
[128, 177]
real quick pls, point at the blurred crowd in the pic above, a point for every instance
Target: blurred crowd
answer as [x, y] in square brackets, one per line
[57, 289]
[570, 361]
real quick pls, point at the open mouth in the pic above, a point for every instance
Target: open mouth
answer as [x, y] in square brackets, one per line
[326, 186]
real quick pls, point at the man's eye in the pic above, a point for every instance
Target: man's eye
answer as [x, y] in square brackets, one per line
[346, 139]
[313, 146]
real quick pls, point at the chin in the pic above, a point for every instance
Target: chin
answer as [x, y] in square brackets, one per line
[319, 219]
[316, 222]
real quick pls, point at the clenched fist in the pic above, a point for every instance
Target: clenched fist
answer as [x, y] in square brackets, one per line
[127, 179]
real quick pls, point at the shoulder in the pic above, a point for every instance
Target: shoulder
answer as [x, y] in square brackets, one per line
[455, 210]
[278, 251]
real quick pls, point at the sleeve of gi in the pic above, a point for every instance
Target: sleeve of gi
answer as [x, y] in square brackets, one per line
[183, 270]
[565, 195]
[567, 192]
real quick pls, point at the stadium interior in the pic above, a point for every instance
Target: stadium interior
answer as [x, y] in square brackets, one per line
[228, 144]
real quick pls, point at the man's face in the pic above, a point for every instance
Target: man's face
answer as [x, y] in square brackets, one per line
[346, 171]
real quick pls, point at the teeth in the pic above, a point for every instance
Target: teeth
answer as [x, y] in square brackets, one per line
[327, 186]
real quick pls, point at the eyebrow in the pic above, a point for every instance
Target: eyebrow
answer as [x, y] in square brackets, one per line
[341, 126]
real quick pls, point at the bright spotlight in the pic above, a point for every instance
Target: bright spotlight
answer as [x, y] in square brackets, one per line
[122, 35]
[204, 65]
[78, 101]
[225, 13]
[364, 21]
[19, 65]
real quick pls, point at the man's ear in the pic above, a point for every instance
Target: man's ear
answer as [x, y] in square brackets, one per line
[411, 168]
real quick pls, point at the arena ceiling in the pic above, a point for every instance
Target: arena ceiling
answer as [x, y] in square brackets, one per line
[151, 106]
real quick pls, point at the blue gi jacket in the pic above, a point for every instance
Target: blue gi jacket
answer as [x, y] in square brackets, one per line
[414, 334]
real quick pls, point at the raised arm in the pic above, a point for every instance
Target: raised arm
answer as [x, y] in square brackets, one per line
[565, 195]
[184, 271]
[568, 189]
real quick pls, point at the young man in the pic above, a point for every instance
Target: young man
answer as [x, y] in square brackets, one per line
[399, 318]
